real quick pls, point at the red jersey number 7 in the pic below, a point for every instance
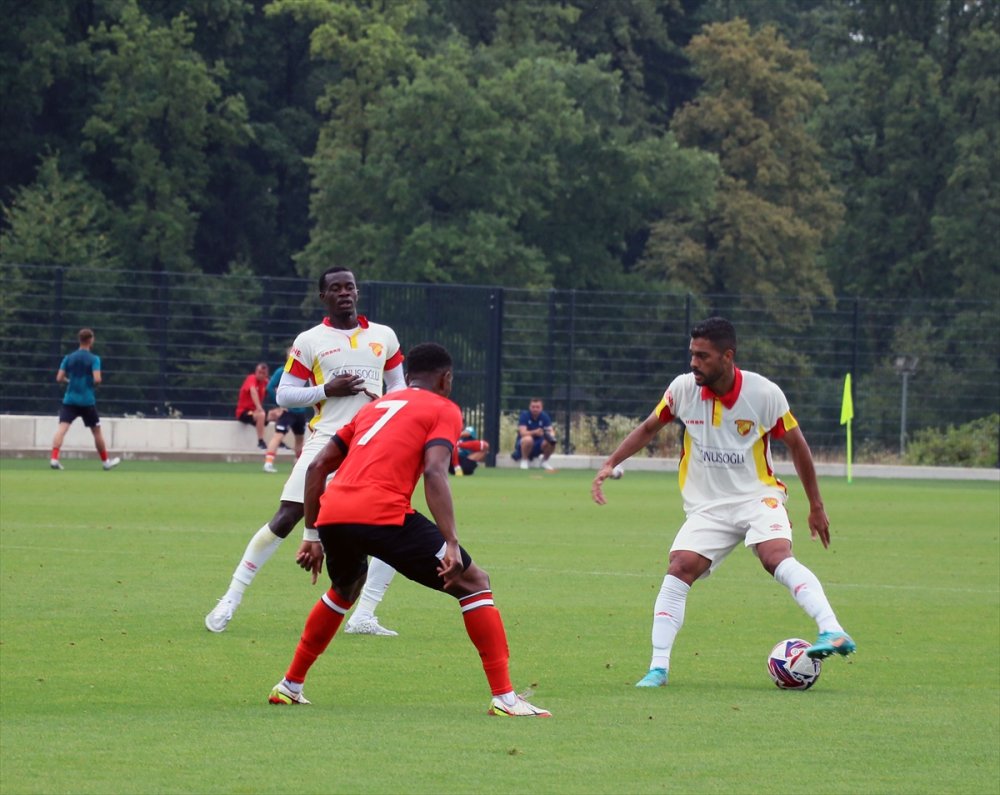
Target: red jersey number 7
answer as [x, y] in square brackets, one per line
[390, 407]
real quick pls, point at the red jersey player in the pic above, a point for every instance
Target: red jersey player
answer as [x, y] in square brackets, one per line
[379, 456]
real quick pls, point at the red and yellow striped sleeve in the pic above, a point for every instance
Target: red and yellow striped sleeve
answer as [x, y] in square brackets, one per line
[665, 408]
[785, 423]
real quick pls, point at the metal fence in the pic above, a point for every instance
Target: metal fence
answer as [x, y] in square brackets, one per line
[176, 343]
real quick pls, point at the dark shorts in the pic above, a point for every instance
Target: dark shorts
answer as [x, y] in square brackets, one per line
[411, 549]
[88, 414]
[247, 417]
[293, 421]
[536, 448]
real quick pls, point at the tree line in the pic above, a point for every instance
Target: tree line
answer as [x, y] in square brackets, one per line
[815, 148]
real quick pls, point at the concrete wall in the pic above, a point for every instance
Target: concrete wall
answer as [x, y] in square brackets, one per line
[133, 438]
[28, 436]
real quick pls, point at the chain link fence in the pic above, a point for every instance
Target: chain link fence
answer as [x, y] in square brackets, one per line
[181, 343]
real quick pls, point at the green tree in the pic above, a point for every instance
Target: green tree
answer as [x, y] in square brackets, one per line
[59, 227]
[371, 45]
[58, 220]
[966, 219]
[953, 350]
[887, 130]
[775, 205]
[223, 309]
[158, 115]
[912, 136]
[481, 165]
[256, 198]
[45, 83]
[643, 41]
[519, 180]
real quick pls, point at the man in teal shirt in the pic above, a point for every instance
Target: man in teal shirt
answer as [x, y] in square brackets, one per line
[81, 372]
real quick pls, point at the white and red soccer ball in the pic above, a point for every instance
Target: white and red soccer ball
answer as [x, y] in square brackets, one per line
[789, 666]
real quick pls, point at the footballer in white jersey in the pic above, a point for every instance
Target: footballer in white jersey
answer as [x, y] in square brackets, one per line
[731, 495]
[727, 439]
[337, 367]
[323, 352]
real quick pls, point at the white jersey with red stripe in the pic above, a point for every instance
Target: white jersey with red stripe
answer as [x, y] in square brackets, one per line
[727, 439]
[323, 352]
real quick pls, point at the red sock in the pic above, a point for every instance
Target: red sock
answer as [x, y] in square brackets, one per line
[324, 620]
[104, 455]
[55, 453]
[485, 628]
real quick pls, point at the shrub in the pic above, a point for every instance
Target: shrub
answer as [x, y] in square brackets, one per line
[973, 444]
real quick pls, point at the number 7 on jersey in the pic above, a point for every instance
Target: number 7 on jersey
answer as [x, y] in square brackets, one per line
[390, 407]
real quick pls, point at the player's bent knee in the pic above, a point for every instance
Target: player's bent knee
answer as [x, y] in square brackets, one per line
[348, 590]
[771, 562]
[473, 580]
[688, 566]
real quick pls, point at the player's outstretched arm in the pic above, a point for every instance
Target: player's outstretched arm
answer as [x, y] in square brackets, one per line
[819, 522]
[637, 439]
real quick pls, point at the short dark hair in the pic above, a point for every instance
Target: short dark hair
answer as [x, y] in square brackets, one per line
[717, 330]
[327, 272]
[85, 335]
[427, 357]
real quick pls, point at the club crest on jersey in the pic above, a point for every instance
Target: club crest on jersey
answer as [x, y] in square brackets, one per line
[743, 427]
[770, 502]
[376, 347]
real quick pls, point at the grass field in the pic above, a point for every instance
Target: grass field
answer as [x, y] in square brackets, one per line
[110, 682]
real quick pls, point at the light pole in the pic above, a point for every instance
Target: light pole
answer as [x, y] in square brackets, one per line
[906, 366]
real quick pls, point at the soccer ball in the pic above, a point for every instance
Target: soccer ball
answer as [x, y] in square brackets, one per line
[789, 666]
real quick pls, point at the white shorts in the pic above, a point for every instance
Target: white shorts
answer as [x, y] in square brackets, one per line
[295, 486]
[715, 532]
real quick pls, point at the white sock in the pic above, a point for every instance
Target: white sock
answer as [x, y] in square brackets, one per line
[806, 590]
[376, 584]
[295, 687]
[258, 552]
[668, 618]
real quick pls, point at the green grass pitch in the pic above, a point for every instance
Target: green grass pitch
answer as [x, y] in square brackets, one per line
[111, 684]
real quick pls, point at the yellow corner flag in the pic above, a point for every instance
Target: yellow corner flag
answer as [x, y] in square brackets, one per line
[847, 406]
[846, 415]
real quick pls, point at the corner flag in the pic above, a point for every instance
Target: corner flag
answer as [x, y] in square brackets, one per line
[847, 406]
[846, 415]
